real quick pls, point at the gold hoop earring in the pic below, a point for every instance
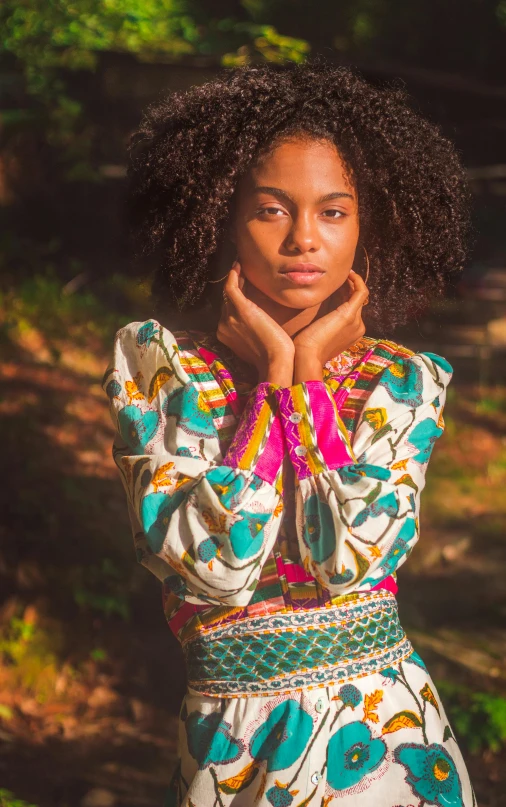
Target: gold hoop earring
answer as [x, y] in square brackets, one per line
[367, 264]
[224, 276]
[219, 279]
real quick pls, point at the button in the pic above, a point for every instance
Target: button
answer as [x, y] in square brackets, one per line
[319, 705]
[295, 417]
[301, 451]
[316, 777]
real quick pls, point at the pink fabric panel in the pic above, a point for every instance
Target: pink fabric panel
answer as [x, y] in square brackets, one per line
[271, 458]
[330, 441]
[293, 572]
[185, 613]
[291, 432]
[388, 583]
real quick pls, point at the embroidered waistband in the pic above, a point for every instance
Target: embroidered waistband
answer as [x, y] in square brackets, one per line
[283, 652]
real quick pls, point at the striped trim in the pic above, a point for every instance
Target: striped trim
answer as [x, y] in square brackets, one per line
[315, 435]
[258, 443]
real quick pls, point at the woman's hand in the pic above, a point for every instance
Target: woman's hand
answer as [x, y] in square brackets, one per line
[253, 335]
[330, 335]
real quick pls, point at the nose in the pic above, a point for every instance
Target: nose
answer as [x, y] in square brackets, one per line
[303, 235]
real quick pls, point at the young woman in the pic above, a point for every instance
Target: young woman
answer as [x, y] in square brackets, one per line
[272, 453]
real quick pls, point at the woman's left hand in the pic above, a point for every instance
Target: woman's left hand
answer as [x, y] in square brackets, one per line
[331, 334]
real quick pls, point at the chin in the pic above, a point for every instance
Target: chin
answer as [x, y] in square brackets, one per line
[301, 298]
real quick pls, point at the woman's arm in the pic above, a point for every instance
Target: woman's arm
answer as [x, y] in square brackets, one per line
[205, 521]
[358, 506]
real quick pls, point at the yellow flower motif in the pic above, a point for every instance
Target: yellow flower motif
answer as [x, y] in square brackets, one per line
[397, 369]
[371, 703]
[202, 403]
[132, 388]
[376, 418]
[400, 465]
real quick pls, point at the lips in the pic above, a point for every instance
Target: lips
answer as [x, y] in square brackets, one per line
[302, 274]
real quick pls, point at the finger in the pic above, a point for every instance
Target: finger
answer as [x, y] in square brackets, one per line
[359, 294]
[232, 287]
[238, 268]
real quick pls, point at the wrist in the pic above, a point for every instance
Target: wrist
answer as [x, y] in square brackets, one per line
[306, 367]
[278, 370]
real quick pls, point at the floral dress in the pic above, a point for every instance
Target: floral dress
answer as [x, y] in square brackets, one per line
[276, 518]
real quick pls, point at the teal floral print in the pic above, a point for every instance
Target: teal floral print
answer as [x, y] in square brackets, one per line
[318, 528]
[283, 736]
[279, 796]
[423, 437]
[146, 333]
[156, 510]
[186, 406]
[137, 428]
[404, 382]
[210, 741]
[350, 695]
[352, 754]
[431, 773]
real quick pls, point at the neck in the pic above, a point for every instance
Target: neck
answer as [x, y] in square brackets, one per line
[292, 320]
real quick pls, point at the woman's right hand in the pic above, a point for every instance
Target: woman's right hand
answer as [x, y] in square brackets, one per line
[253, 335]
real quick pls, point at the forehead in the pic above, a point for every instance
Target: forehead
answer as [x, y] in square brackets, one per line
[299, 165]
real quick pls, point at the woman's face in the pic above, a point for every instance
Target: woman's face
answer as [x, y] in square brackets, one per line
[296, 224]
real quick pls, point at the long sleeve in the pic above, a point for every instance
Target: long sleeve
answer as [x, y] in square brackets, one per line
[358, 504]
[203, 522]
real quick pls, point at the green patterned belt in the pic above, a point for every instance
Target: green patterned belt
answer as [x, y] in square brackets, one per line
[285, 651]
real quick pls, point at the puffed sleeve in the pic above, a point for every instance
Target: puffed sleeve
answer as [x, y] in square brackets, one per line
[358, 504]
[202, 523]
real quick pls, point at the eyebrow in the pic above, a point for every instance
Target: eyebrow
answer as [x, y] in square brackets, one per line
[278, 192]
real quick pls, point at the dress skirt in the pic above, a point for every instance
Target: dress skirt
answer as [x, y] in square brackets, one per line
[329, 706]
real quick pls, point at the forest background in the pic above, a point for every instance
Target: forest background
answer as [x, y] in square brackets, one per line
[90, 676]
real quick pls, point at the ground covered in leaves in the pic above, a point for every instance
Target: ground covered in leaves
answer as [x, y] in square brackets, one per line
[90, 676]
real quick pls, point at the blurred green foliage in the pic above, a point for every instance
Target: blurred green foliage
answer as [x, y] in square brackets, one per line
[8, 799]
[48, 39]
[479, 718]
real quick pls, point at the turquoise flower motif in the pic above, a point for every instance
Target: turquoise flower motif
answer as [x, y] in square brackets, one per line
[146, 334]
[283, 737]
[400, 547]
[137, 428]
[350, 695]
[319, 533]
[350, 474]
[279, 796]
[353, 753]
[391, 673]
[227, 484]
[430, 773]
[191, 413]
[440, 362]
[207, 550]
[247, 535]
[341, 577]
[423, 437]
[417, 660]
[183, 451]
[403, 381]
[113, 389]
[388, 504]
[210, 741]
[156, 510]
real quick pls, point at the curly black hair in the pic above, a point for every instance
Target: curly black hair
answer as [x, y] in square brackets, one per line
[191, 149]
